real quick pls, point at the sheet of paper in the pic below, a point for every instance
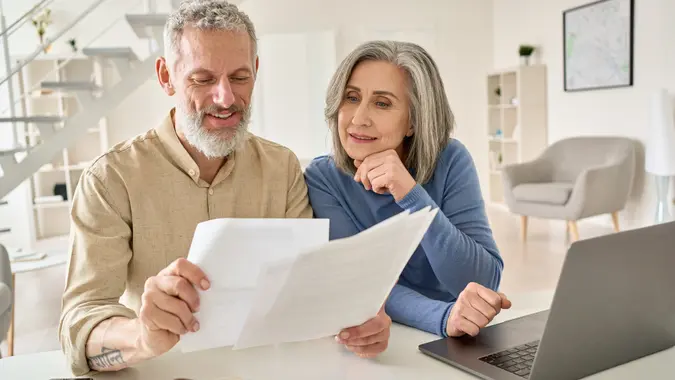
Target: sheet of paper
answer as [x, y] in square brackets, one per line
[336, 285]
[232, 252]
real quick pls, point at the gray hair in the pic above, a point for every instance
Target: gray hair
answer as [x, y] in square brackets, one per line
[430, 115]
[206, 15]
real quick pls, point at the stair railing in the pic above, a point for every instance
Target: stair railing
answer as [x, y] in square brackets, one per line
[65, 62]
[49, 41]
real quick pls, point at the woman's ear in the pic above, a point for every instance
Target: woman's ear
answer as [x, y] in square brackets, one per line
[411, 131]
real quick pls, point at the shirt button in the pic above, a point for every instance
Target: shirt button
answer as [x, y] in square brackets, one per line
[210, 191]
[191, 172]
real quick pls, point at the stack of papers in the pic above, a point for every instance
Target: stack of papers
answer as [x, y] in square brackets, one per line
[276, 281]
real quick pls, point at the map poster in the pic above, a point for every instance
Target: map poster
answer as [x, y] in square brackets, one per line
[598, 45]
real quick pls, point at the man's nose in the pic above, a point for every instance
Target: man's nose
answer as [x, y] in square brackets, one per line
[362, 115]
[223, 95]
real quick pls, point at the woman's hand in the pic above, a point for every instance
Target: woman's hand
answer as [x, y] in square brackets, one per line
[384, 173]
[474, 309]
[370, 339]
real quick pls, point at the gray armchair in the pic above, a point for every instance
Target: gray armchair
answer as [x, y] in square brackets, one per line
[573, 179]
[5, 293]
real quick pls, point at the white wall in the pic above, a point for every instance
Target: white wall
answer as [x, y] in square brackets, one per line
[621, 111]
[295, 69]
[458, 34]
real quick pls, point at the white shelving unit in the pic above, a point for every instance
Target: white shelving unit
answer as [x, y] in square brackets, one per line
[51, 214]
[517, 129]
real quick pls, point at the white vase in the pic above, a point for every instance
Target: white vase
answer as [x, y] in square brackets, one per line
[525, 60]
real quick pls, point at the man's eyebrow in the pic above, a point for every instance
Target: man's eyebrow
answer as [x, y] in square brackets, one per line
[243, 69]
[199, 71]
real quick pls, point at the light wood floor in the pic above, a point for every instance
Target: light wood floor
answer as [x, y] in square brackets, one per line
[530, 266]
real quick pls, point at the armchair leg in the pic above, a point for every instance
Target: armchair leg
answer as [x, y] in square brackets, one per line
[615, 221]
[523, 228]
[10, 332]
[574, 230]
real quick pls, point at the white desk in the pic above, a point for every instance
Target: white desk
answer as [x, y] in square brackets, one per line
[322, 359]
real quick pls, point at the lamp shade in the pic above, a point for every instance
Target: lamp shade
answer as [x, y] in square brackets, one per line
[660, 147]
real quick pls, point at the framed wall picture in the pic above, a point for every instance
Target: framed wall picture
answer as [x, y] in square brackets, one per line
[598, 45]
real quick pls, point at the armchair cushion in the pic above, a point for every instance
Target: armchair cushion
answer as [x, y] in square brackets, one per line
[554, 193]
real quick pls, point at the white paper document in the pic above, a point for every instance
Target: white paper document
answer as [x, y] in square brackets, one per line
[341, 284]
[262, 294]
[231, 252]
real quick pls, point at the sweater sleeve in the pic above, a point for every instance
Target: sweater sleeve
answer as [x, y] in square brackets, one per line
[459, 243]
[408, 307]
[403, 305]
[327, 206]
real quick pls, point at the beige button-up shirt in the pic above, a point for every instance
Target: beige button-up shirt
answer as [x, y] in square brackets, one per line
[135, 211]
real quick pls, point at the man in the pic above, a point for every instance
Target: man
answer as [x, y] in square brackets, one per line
[136, 208]
[130, 294]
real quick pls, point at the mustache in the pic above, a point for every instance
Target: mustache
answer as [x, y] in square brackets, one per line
[212, 108]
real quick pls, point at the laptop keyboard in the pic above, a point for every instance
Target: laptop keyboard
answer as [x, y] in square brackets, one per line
[517, 360]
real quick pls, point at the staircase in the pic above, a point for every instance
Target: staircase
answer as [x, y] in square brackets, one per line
[56, 133]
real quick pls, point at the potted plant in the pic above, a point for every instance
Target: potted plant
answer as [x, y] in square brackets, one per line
[40, 23]
[525, 51]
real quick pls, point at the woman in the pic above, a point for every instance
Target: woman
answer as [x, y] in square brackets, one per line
[391, 125]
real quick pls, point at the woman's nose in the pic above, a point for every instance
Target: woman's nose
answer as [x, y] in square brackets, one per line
[361, 115]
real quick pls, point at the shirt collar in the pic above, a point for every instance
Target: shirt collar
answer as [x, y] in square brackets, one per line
[166, 132]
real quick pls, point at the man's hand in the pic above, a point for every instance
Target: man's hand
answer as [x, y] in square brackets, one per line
[475, 307]
[384, 173]
[369, 339]
[168, 304]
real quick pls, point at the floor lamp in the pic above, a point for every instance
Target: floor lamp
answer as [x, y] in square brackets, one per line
[660, 150]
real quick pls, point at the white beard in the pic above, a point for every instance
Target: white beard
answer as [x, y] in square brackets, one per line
[212, 144]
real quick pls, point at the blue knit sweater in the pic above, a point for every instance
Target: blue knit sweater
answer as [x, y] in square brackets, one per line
[457, 249]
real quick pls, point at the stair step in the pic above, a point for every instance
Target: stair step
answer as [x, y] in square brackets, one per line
[110, 52]
[33, 119]
[12, 152]
[70, 86]
[142, 24]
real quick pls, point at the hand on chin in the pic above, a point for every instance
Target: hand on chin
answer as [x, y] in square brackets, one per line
[384, 173]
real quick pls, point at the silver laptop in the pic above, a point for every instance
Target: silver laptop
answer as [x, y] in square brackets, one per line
[613, 304]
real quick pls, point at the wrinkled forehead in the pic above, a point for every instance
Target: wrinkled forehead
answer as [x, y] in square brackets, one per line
[374, 76]
[220, 51]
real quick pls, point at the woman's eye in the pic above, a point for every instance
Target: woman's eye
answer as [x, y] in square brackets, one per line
[382, 104]
[352, 99]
